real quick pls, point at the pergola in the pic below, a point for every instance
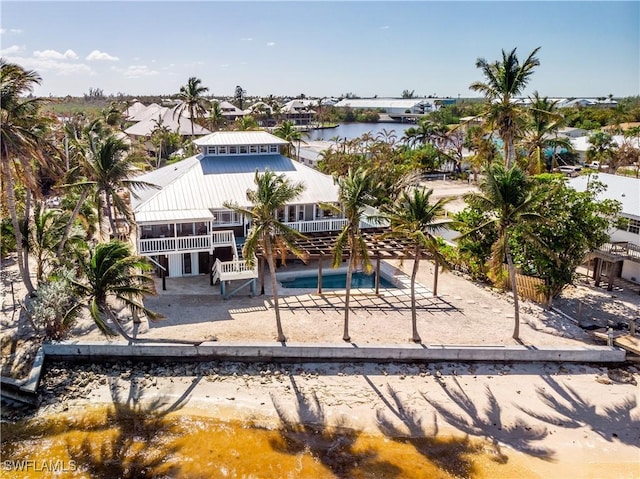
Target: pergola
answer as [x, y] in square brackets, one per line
[319, 246]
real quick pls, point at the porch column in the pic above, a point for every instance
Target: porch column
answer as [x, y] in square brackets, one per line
[597, 270]
[377, 274]
[320, 273]
[613, 272]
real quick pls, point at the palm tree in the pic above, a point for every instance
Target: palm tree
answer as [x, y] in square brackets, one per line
[192, 101]
[504, 81]
[415, 218]
[288, 132]
[510, 199]
[23, 140]
[109, 170]
[246, 123]
[268, 234]
[357, 190]
[541, 130]
[216, 118]
[111, 271]
[44, 237]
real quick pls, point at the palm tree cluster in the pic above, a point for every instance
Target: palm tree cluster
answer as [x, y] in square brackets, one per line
[94, 170]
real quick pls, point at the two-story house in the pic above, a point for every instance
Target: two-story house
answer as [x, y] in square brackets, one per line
[184, 225]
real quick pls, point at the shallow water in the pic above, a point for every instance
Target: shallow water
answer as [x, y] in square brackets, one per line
[123, 442]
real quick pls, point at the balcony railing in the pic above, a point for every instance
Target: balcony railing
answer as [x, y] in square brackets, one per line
[624, 249]
[328, 224]
[186, 243]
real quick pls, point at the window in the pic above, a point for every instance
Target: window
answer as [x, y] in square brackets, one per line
[226, 217]
[222, 150]
[253, 149]
[243, 150]
[233, 150]
[634, 227]
[273, 148]
[264, 149]
[211, 150]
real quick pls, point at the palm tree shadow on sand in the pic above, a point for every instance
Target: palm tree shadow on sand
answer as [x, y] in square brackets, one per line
[136, 439]
[407, 425]
[614, 422]
[488, 423]
[307, 430]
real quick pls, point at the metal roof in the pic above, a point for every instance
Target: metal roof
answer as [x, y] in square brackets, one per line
[206, 183]
[622, 188]
[227, 138]
[169, 118]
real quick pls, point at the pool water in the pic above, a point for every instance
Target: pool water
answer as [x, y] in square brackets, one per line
[337, 281]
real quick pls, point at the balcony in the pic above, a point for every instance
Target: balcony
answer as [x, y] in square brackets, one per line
[183, 244]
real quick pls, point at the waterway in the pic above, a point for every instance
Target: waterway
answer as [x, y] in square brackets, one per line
[354, 130]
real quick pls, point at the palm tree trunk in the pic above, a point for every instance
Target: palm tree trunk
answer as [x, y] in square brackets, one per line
[274, 289]
[11, 203]
[112, 223]
[26, 227]
[69, 225]
[345, 334]
[415, 337]
[436, 268]
[514, 289]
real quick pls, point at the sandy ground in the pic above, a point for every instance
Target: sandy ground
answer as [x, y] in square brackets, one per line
[561, 420]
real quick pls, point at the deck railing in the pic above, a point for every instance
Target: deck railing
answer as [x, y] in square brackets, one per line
[186, 243]
[230, 270]
[328, 224]
[626, 249]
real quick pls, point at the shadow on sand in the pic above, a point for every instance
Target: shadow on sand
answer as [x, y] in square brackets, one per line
[614, 422]
[334, 446]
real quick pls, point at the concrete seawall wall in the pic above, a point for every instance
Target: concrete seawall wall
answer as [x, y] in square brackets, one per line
[306, 352]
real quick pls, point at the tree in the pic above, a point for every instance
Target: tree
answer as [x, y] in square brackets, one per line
[246, 123]
[408, 94]
[109, 171]
[192, 100]
[510, 200]
[357, 190]
[577, 224]
[601, 149]
[504, 81]
[540, 133]
[239, 97]
[216, 118]
[288, 132]
[267, 233]
[111, 271]
[23, 140]
[413, 217]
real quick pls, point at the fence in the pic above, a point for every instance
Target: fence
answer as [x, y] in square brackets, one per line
[529, 287]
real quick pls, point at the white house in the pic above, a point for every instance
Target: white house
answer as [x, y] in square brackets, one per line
[623, 242]
[184, 225]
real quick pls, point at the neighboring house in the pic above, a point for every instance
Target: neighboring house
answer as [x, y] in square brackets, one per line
[621, 257]
[297, 112]
[229, 111]
[581, 144]
[153, 118]
[185, 227]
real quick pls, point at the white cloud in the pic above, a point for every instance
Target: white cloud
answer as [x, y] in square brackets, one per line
[11, 30]
[224, 66]
[384, 27]
[247, 39]
[270, 44]
[55, 55]
[12, 50]
[42, 65]
[98, 55]
[136, 71]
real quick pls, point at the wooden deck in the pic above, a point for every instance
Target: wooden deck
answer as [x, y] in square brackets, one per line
[625, 341]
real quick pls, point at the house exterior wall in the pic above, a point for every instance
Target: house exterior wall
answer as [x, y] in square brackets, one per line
[631, 271]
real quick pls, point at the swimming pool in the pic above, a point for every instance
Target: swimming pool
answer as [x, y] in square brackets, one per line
[336, 281]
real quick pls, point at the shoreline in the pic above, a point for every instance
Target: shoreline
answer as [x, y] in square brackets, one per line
[554, 420]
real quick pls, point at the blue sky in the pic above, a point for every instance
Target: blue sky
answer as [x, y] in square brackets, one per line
[321, 48]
